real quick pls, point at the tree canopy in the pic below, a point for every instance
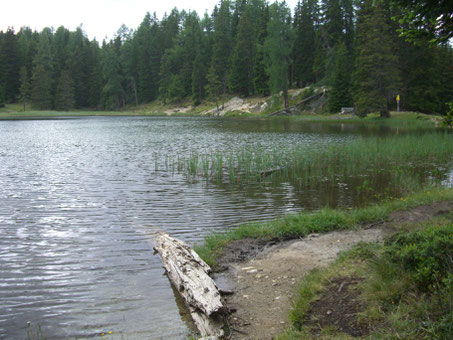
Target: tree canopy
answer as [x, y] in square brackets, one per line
[243, 47]
[425, 18]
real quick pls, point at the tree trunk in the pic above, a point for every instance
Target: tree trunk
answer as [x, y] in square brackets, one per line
[134, 89]
[189, 274]
[285, 97]
[224, 90]
[385, 113]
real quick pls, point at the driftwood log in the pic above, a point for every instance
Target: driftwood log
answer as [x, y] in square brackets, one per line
[189, 274]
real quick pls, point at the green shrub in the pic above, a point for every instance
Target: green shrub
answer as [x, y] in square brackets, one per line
[448, 119]
[427, 255]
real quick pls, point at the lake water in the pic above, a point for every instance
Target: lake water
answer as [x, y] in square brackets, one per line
[81, 198]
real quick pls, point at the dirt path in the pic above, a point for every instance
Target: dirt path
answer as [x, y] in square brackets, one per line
[265, 285]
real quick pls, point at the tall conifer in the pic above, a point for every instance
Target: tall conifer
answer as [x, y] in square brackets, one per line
[278, 47]
[340, 93]
[376, 77]
[241, 72]
[260, 76]
[220, 61]
[43, 67]
[64, 96]
[25, 87]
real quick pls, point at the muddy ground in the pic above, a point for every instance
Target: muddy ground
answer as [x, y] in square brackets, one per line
[263, 275]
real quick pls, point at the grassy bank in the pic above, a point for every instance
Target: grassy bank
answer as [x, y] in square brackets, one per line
[324, 220]
[186, 108]
[402, 289]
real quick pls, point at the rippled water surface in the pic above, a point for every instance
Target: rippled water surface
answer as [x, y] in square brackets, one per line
[81, 198]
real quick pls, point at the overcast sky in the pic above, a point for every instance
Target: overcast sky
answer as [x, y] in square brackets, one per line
[100, 18]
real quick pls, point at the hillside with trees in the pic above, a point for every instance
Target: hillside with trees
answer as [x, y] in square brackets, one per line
[244, 48]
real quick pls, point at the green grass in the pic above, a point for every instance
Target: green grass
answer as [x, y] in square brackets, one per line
[398, 304]
[384, 166]
[324, 220]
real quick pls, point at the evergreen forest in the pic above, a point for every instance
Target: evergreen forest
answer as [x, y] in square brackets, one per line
[243, 47]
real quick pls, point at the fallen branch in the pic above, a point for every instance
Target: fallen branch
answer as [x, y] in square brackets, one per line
[291, 110]
[189, 274]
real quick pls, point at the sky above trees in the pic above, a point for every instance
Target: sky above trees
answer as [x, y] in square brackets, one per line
[100, 18]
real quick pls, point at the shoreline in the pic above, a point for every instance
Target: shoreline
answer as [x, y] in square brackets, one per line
[373, 118]
[219, 249]
[264, 274]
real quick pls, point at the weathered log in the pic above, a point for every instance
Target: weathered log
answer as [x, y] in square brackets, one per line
[189, 274]
[288, 111]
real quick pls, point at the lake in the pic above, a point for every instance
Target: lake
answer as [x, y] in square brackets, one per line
[81, 198]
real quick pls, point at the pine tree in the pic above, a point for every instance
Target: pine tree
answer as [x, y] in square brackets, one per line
[60, 50]
[446, 70]
[376, 77]
[190, 42]
[42, 81]
[3, 53]
[320, 57]
[112, 92]
[198, 78]
[177, 64]
[25, 87]
[260, 76]
[149, 43]
[2, 95]
[241, 72]
[305, 34]
[340, 93]
[202, 60]
[422, 73]
[176, 89]
[41, 88]
[12, 66]
[9, 68]
[239, 10]
[165, 75]
[332, 21]
[170, 28]
[27, 47]
[95, 79]
[221, 48]
[64, 96]
[278, 47]
[80, 66]
[348, 24]
[214, 86]
[128, 61]
[155, 56]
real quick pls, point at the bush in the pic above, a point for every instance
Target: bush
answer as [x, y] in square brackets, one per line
[427, 255]
[448, 119]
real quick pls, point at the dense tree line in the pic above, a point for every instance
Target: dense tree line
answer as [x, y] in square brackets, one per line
[244, 47]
